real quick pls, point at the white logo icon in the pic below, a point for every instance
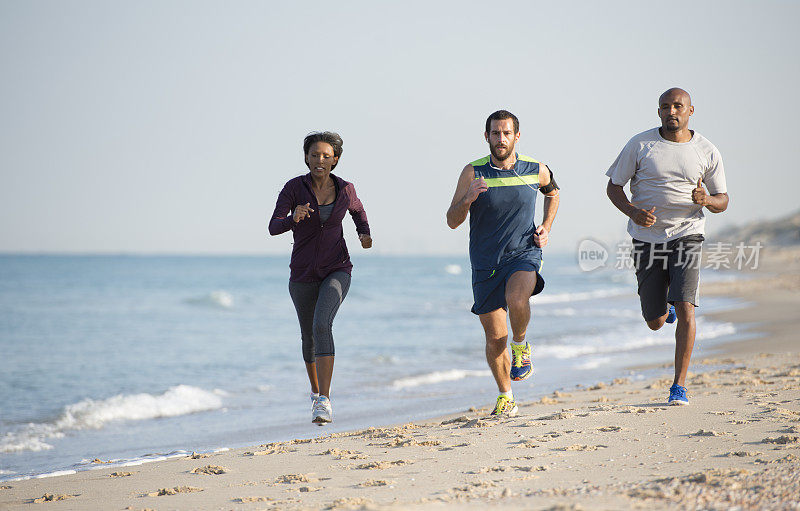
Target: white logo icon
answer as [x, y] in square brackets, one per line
[591, 255]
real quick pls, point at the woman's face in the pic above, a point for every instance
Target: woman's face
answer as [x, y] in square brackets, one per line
[320, 159]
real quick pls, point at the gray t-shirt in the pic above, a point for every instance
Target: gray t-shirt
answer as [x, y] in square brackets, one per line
[663, 174]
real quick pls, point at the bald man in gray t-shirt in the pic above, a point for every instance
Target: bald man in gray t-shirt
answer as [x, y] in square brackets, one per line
[667, 168]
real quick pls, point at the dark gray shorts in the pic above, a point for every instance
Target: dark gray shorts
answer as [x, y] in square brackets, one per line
[667, 273]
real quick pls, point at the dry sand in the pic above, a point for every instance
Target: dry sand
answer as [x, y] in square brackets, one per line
[615, 445]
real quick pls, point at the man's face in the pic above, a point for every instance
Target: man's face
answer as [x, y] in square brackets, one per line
[674, 110]
[501, 138]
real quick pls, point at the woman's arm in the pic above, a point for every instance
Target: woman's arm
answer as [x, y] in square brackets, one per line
[359, 216]
[281, 220]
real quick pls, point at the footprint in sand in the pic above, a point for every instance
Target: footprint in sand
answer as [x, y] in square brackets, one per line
[607, 429]
[453, 447]
[741, 454]
[350, 503]
[781, 440]
[704, 432]
[266, 452]
[381, 464]
[49, 497]
[484, 470]
[555, 416]
[120, 474]
[375, 482]
[174, 491]
[581, 447]
[245, 500]
[293, 478]
[210, 470]
[539, 468]
[463, 418]
[529, 444]
[342, 454]
[477, 423]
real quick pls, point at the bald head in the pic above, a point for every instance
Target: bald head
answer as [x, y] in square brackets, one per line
[675, 93]
[674, 109]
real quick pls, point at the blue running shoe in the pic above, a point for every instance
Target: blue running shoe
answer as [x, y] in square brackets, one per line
[520, 362]
[671, 316]
[677, 396]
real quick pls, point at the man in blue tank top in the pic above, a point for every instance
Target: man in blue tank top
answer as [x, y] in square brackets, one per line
[505, 246]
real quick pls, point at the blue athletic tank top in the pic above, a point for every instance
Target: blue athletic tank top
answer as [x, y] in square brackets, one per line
[501, 224]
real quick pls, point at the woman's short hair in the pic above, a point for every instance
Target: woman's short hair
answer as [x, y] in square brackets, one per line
[329, 137]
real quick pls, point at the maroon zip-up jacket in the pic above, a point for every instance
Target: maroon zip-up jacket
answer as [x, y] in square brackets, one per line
[319, 249]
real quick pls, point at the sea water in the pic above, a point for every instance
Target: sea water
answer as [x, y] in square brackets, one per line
[134, 358]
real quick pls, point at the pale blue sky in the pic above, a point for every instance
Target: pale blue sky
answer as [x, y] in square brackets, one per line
[153, 127]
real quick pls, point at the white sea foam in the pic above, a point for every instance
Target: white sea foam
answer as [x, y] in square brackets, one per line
[55, 474]
[607, 342]
[437, 377]
[219, 299]
[92, 414]
[593, 363]
[580, 296]
[453, 269]
[569, 312]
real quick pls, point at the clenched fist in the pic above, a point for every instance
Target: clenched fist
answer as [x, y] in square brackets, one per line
[699, 195]
[476, 187]
[540, 237]
[302, 212]
[644, 217]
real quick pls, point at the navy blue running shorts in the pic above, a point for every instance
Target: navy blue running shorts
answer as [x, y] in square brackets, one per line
[489, 286]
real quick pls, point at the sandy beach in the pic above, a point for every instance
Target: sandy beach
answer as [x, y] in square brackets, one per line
[614, 445]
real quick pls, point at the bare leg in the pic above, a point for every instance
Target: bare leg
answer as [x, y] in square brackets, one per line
[656, 324]
[311, 369]
[325, 374]
[684, 340]
[496, 330]
[518, 294]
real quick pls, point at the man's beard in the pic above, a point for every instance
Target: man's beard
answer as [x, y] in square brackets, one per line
[501, 154]
[672, 127]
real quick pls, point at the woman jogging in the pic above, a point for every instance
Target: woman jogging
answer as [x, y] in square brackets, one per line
[313, 206]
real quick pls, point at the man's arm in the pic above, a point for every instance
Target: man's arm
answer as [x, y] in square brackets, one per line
[551, 201]
[716, 203]
[643, 217]
[467, 190]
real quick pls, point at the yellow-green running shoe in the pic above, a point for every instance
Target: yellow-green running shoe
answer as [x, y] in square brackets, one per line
[505, 407]
[520, 362]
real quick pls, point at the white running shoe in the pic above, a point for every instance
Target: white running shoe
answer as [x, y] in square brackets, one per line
[314, 398]
[323, 412]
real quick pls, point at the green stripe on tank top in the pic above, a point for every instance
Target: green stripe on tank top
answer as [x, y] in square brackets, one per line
[527, 179]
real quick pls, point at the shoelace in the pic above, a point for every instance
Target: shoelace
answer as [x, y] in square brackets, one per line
[518, 356]
[320, 406]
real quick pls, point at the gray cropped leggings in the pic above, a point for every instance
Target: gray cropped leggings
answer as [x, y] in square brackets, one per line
[316, 304]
